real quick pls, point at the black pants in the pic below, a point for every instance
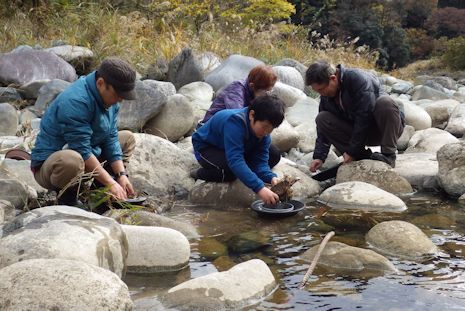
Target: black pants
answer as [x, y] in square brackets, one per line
[385, 132]
[215, 165]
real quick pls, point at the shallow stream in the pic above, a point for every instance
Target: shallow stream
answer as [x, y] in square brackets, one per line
[234, 235]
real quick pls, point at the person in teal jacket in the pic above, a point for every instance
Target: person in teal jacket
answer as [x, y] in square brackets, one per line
[235, 143]
[79, 131]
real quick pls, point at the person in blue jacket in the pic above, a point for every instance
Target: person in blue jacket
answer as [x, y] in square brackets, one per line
[79, 131]
[234, 143]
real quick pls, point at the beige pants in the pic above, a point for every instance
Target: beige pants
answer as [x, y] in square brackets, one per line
[62, 166]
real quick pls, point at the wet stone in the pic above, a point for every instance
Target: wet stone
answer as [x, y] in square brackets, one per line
[247, 242]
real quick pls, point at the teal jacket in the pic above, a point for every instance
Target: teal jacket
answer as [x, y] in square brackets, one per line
[77, 118]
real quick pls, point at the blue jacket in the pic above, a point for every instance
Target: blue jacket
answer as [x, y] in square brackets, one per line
[230, 130]
[236, 95]
[77, 117]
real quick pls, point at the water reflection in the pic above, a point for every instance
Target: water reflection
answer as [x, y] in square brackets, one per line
[231, 236]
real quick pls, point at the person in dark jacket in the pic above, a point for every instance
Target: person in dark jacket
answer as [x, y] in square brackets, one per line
[354, 113]
[240, 93]
[234, 144]
[79, 131]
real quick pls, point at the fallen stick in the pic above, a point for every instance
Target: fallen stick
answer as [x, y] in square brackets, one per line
[315, 259]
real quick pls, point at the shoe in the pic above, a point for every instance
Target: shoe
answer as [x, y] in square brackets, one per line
[365, 154]
[70, 197]
[193, 174]
[386, 158]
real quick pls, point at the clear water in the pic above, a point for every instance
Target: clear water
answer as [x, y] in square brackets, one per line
[436, 284]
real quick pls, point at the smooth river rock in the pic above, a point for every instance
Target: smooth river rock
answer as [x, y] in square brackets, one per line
[361, 196]
[400, 239]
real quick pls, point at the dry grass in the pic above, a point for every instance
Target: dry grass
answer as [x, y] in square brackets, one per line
[141, 40]
[421, 67]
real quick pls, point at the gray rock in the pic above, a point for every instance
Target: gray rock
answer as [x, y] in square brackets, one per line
[158, 70]
[425, 92]
[239, 287]
[7, 211]
[387, 80]
[158, 166]
[26, 116]
[376, 173]
[146, 218]
[429, 140]
[451, 160]
[343, 257]
[64, 232]
[400, 239]
[456, 124]
[21, 170]
[31, 89]
[416, 116]
[150, 99]
[290, 76]
[303, 189]
[174, 120]
[229, 194]
[402, 142]
[8, 120]
[307, 136]
[301, 68]
[9, 94]
[8, 142]
[235, 67]
[419, 169]
[439, 111]
[153, 249]
[288, 94]
[48, 93]
[434, 85]
[285, 137]
[14, 191]
[303, 111]
[25, 66]
[401, 87]
[200, 95]
[361, 196]
[59, 284]
[80, 57]
[189, 66]
[446, 82]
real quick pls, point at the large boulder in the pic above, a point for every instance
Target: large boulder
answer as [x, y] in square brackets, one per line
[340, 256]
[239, 287]
[302, 116]
[189, 66]
[288, 94]
[401, 87]
[31, 89]
[400, 239]
[285, 137]
[376, 173]
[7, 211]
[303, 189]
[9, 94]
[290, 76]
[29, 65]
[158, 166]
[416, 116]
[59, 284]
[222, 194]
[200, 95]
[8, 120]
[151, 96]
[451, 160]
[361, 196]
[158, 70]
[48, 93]
[15, 191]
[456, 124]
[419, 169]
[426, 92]
[174, 120]
[21, 170]
[439, 111]
[152, 249]
[67, 233]
[235, 67]
[429, 140]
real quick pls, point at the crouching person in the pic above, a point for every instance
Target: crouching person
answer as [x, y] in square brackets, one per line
[79, 131]
[235, 143]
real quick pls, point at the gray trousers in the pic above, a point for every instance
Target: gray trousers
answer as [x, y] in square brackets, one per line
[384, 132]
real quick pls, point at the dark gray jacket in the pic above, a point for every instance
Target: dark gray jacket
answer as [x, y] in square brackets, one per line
[359, 90]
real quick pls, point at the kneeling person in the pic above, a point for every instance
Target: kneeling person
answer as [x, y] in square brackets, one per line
[235, 143]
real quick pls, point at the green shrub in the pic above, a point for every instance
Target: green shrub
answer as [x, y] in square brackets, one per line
[454, 57]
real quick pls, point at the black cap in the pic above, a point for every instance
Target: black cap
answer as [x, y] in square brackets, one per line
[119, 74]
